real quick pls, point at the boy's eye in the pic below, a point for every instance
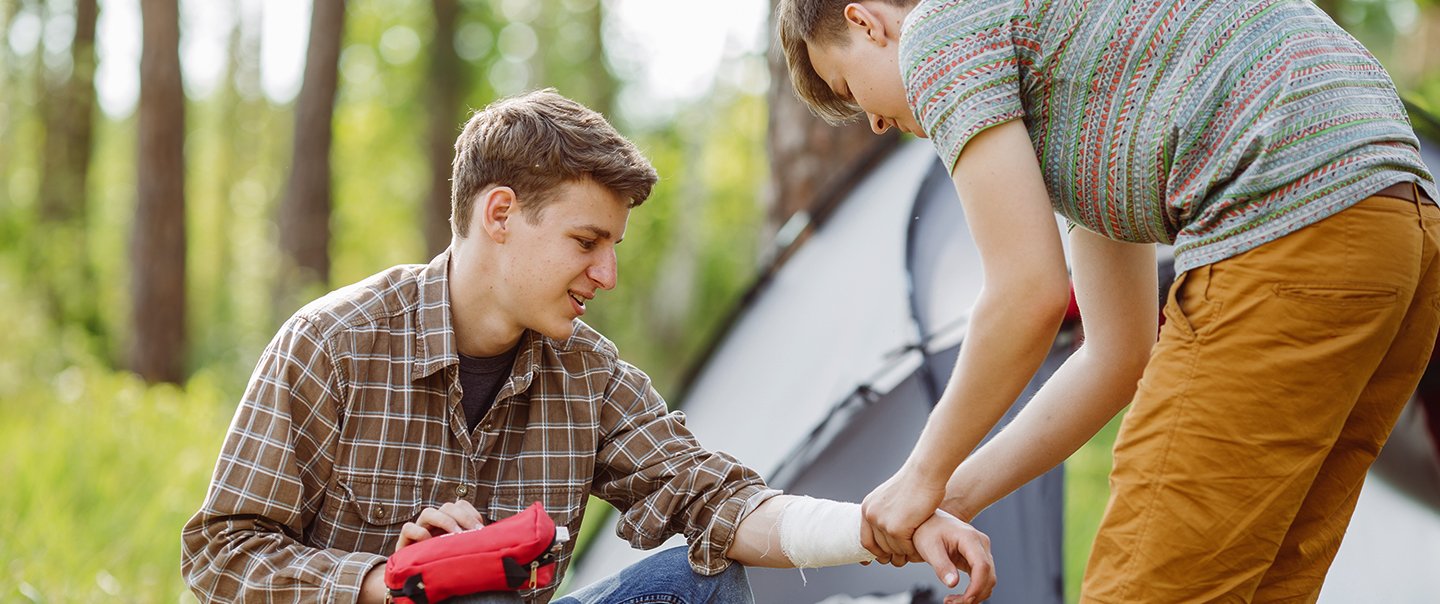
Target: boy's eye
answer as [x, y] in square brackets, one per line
[585, 244]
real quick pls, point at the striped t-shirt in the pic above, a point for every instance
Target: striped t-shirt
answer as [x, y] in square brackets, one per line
[1213, 125]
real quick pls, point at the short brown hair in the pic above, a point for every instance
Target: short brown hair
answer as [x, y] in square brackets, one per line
[800, 23]
[535, 142]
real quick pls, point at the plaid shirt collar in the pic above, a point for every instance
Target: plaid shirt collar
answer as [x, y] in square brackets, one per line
[435, 347]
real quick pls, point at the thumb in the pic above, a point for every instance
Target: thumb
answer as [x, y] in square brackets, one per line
[935, 554]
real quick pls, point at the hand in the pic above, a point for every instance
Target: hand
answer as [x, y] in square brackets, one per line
[892, 512]
[452, 517]
[950, 545]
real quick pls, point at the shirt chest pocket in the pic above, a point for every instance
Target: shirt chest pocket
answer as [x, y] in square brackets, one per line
[366, 514]
[564, 504]
[382, 502]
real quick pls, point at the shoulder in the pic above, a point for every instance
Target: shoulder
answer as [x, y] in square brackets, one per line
[942, 40]
[953, 19]
[376, 298]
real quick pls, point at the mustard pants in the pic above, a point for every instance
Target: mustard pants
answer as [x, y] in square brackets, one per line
[1277, 377]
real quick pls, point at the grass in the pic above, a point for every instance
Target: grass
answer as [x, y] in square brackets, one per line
[100, 470]
[1086, 490]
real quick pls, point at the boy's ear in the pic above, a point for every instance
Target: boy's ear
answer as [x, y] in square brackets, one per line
[860, 18]
[497, 207]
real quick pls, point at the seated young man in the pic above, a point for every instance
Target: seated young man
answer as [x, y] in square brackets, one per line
[433, 398]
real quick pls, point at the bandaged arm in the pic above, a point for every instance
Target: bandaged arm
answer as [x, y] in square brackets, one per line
[792, 531]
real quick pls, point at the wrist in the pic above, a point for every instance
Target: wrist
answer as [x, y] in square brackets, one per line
[956, 506]
[372, 587]
[923, 474]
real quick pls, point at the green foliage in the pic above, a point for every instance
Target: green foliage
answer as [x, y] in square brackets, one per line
[101, 471]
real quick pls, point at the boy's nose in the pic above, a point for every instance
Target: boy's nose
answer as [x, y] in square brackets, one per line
[605, 272]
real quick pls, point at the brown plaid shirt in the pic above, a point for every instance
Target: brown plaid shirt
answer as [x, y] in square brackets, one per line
[352, 424]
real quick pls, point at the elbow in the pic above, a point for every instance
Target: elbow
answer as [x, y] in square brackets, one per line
[1124, 362]
[1036, 302]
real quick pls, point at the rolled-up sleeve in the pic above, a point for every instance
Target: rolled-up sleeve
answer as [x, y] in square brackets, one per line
[244, 542]
[653, 470]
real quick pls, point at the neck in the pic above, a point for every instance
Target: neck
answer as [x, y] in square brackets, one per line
[481, 328]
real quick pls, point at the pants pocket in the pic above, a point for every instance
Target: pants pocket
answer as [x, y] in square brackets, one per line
[1339, 293]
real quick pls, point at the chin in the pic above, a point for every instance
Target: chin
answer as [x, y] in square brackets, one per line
[558, 331]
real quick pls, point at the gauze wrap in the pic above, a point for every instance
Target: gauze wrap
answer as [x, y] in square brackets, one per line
[817, 532]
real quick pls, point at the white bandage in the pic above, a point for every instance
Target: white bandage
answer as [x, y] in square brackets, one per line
[819, 532]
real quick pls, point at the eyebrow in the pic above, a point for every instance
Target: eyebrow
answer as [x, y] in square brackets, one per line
[599, 232]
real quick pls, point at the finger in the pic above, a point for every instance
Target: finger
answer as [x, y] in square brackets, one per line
[437, 522]
[411, 533]
[905, 545]
[463, 513]
[469, 510]
[982, 581]
[934, 552]
[882, 541]
[867, 539]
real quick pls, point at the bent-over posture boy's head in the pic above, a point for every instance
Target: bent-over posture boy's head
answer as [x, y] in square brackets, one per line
[844, 61]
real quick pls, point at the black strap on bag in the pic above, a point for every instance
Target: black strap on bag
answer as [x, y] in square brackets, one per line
[414, 589]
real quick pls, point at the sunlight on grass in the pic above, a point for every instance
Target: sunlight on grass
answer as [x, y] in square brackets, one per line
[101, 472]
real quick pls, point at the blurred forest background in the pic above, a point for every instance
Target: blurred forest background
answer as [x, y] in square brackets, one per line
[165, 205]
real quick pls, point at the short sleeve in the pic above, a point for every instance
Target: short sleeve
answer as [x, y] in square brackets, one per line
[960, 69]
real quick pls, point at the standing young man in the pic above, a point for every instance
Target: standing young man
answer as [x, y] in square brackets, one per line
[1272, 151]
[431, 399]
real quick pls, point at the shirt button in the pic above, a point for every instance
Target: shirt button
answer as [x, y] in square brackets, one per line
[378, 512]
[462, 490]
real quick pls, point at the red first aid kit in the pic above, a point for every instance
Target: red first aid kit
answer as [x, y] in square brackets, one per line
[515, 553]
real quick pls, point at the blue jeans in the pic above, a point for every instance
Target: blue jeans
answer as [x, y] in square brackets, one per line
[664, 578]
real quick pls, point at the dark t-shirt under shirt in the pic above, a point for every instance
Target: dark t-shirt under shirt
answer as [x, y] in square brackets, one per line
[480, 380]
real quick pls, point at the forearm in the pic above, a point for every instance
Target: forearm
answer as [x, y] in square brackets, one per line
[373, 590]
[1085, 393]
[790, 531]
[235, 560]
[757, 539]
[1005, 344]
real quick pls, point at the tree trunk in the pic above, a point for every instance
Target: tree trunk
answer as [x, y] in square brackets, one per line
[217, 322]
[447, 87]
[68, 126]
[305, 209]
[601, 82]
[158, 240]
[68, 116]
[811, 163]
